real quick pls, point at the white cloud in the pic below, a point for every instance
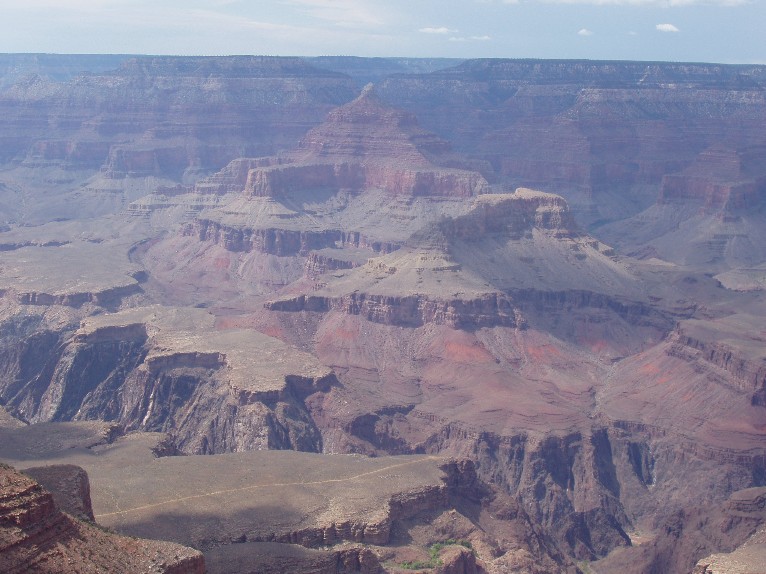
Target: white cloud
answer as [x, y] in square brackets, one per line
[666, 28]
[439, 30]
[470, 38]
[585, 32]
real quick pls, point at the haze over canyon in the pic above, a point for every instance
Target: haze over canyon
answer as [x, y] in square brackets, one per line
[337, 314]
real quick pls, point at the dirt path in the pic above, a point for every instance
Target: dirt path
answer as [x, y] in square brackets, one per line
[273, 484]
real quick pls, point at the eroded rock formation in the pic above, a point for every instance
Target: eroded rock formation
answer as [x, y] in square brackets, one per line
[165, 370]
[35, 536]
[374, 285]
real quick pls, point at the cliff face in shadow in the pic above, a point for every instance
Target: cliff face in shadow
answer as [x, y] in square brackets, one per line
[207, 396]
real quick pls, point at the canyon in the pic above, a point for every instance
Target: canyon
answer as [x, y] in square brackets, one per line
[364, 315]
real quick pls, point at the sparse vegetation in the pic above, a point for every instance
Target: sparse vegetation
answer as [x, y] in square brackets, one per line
[433, 551]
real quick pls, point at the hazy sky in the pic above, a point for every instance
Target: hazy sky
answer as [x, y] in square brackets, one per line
[686, 30]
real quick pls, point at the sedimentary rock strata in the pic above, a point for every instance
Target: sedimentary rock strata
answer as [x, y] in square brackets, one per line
[217, 391]
[258, 253]
[35, 536]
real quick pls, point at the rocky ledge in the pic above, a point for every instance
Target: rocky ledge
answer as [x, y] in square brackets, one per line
[71, 274]
[273, 240]
[35, 536]
[721, 180]
[490, 310]
[444, 182]
[734, 344]
[164, 369]
[749, 558]
[445, 275]
[514, 215]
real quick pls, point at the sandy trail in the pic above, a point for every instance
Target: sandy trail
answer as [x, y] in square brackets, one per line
[273, 484]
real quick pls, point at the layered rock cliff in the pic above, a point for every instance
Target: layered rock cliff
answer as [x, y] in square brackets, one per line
[411, 311]
[585, 128]
[721, 180]
[732, 344]
[69, 486]
[708, 215]
[443, 275]
[35, 536]
[598, 395]
[145, 369]
[366, 144]
[362, 146]
[155, 121]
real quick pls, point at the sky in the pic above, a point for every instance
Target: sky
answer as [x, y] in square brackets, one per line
[727, 31]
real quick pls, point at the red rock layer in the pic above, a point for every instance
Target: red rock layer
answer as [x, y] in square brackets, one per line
[280, 242]
[362, 145]
[514, 216]
[280, 180]
[490, 310]
[36, 537]
[720, 179]
[69, 485]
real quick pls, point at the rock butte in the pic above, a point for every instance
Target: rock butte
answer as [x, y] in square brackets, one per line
[509, 308]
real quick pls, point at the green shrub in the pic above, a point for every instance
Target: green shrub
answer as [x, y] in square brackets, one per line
[433, 552]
